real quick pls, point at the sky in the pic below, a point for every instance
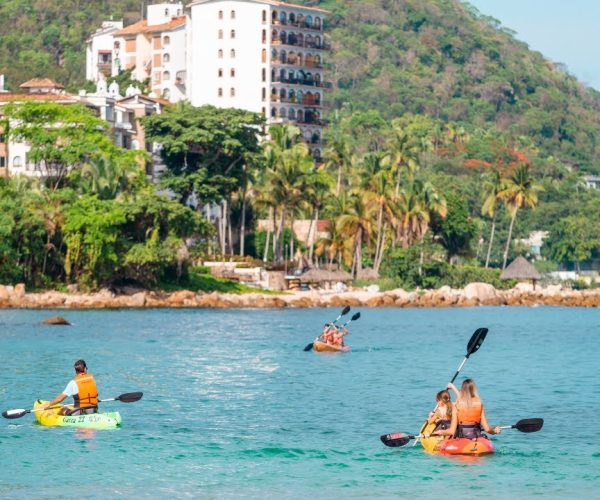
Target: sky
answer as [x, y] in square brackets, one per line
[565, 31]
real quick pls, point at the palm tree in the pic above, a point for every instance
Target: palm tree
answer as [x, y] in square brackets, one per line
[403, 153]
[356, 224]
[337, 156]
[520, 192]
[380, 201]
[493, 185]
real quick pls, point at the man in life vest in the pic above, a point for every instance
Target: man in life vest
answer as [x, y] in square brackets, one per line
[84, 392]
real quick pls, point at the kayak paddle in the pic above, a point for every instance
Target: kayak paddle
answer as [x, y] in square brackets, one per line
[345, 311]
[472, 347]
[128, 397]
[398, 439]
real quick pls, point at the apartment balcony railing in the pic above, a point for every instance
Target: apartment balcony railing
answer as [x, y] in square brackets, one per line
[302, 102]
[296, 63]
[306, 45]
[296, 24]
[301, 81]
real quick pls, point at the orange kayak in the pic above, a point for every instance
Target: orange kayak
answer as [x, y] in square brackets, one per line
[324, 347]
[458, 446]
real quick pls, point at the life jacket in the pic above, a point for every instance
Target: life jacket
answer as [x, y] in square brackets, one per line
[88, 392]
[469, 415]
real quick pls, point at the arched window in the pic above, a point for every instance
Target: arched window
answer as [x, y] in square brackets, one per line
[220, 34]
[264, 36]
[283, 37]
[299, 58]
[274, 91]
[166, 75]
[166, 40]
[292, 114]
[292, 18]
[283, 57]
[232, 73]
[17, 162]
[317, 154]
[300, 39]
[300, 116]
[264, 74]
[318, 78]
[220, 92]
[263, 56]
[274, 35]
[220, 73]
[292, 95]
[232, 34]
[273, 112]
[264, 94]
[264, 16]
[318, 42]
[317, 98]
[232, 54]
[220, 14]
[308, 41]
[274, 17]
[318, 23]
[220, 53]
[167, 12]
[283, 113]
[316, 138]
[232, 92]
[264, 111]
[166, 94]
[166, 58]
[283, 18]
[117, 45]
[282, 93]
[308, 21]
[232, 14]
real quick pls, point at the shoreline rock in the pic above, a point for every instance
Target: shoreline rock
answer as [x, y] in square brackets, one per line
[474, 294]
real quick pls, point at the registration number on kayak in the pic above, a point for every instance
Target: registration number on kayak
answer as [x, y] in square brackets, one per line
[82, 419]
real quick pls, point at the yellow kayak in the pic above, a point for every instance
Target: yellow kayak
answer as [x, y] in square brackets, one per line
[324, 347]
[51, 418]
[437, 445]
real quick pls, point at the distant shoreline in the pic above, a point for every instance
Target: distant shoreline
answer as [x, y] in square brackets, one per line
[474, 294]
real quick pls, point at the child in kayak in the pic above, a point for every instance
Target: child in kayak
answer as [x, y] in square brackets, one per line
[328, 335]
[442, 416]
[338, 337]
[469, 419]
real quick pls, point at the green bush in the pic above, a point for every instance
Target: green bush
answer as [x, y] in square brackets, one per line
[460, 276]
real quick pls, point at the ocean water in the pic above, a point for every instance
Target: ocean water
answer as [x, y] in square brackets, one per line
[233, 407]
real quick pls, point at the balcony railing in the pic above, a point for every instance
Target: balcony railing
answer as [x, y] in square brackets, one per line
[306, 45]
[300, 81]
[303, 102]
[296, 24]
[304, 64]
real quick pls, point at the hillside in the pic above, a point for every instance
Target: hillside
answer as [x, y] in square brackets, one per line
[436, 57]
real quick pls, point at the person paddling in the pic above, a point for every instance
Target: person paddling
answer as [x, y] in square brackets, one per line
[328, 335]
[338, 336]
[442, 415]
[83, 390]
[470, 419]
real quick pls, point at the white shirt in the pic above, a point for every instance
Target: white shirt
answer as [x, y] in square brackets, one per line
[71, 389]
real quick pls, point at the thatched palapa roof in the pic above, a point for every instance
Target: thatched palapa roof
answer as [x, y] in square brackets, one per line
[368, 274]
[520, 269]
[322, 275]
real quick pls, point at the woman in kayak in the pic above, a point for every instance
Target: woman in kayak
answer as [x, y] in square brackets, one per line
[442, 416]
[338, 337]
[328, 334]
[469, 419]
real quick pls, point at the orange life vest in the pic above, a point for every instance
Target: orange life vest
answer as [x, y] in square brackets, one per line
[88, 392]
[469, 415]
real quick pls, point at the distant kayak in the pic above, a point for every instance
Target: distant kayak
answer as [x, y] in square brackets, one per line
[51, 418]
[458, 446]
[324, 347]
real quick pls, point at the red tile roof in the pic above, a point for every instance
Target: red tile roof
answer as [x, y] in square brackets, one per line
[41, 82]
[142, 27]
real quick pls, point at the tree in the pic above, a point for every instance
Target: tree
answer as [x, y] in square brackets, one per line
[62, 137]
[520, 192]
[456, 230]
[493, 185]
[572, 239]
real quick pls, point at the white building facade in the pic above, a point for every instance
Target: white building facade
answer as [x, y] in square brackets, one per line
[98, 52]
[263, 56]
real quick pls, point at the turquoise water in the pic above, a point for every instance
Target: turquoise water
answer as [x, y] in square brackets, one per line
[233, 407]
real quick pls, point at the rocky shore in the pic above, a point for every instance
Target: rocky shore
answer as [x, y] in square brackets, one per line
[474, 294]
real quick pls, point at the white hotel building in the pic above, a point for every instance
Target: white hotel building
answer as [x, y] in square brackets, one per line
[264, 56]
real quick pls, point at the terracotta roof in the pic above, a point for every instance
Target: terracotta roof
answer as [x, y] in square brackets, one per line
[41, 82]
[142, 27]
[13, 97]
[158, 100]
[520, 269]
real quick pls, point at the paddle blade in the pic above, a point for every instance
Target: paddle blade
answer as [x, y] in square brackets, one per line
[395, 440]
[130, 397]
[309, 347]
[14, 413]
[529, 424]
[476, 340]
[356, 316]
[345, 311]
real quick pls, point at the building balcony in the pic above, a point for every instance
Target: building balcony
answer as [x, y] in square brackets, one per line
[298, 25]
[296, 63]
[105, 68]
[304, 102]
[299, 81]
[306, 45]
